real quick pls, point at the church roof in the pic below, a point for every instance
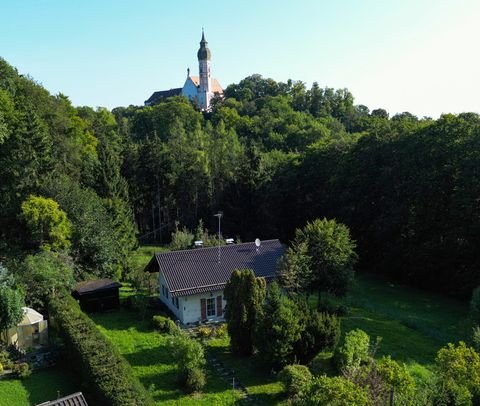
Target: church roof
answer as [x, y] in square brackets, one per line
[156, 96]
[216, 87]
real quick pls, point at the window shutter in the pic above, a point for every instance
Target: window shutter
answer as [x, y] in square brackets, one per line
[219, 306]
[203, 306]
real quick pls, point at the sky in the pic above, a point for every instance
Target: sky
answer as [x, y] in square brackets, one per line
[419, 56]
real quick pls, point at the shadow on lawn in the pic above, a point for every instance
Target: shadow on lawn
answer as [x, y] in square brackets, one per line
[47, 384]
[123, 320]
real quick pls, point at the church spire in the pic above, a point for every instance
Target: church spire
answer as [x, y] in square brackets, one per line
[204, 53]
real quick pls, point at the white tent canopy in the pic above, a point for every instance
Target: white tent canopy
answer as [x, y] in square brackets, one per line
[30, 316]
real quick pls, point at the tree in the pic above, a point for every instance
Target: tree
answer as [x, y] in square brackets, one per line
[11, 303]
[459, 372]
[332, 254]
[295, 270]
[49, 224]
[44, 276]
[244, 294]
[354, 351]
[278, 329]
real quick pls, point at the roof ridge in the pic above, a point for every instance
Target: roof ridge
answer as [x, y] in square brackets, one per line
[214, 247]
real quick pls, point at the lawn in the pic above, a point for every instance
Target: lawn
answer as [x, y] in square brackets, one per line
[39, 387]
[146, 351]
[413, 324]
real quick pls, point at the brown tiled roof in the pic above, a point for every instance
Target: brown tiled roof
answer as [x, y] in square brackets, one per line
[156, 96]
[198, 270]
[98, 284]
[216, 87]
[75, 399]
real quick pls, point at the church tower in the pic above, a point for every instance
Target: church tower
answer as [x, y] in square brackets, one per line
[205, 92]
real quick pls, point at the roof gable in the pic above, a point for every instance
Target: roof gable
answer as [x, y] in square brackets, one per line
[199, 270]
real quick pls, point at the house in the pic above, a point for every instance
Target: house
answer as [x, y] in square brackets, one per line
[199, 89]
[31, 332]
[97, 295]
[76, 399]
[192, 281]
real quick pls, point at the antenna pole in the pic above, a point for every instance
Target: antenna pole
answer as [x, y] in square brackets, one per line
[219, 215]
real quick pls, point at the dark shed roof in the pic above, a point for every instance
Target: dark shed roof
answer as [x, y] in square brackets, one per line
[85, 287]
[198, 270]
[75, 399]
[156, 96]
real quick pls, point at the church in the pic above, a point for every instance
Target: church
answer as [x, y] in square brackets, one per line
[199, 89]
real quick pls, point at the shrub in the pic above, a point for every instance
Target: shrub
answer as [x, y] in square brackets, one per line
[221, 331]
[182, 239]
[1, 368]
[108, 375]
[195, 380]
[476, 338]
[354, 350]
[21, 370]
[164, 324]
[294, 378]
[336, 391]
[321, 333]
[205, 332]
[396, 376]
[190, 359]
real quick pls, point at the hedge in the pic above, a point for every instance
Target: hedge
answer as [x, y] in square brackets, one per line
[107, 374]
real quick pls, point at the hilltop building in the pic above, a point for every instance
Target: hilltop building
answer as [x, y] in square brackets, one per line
[199, 89]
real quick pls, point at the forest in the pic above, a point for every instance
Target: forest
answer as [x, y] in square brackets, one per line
[270, 155]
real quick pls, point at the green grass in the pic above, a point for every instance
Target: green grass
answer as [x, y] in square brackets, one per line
[142, 256]
[39, 387]
[413, 324]
[251, 372]
[146, 351]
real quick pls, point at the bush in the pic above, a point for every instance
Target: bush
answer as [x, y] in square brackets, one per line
[21, 370]
[354, 351]
[190, 359]
[294, 378]
[321, 333]
[1, 368]
[195, 380]
[164, 324]
[476, 338]
[108, 375]
[336, 391]
[205, 332]
[221, 331]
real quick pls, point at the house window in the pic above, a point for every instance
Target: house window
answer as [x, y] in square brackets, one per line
[176, 302]
[211, 307]
[163, 290]
[166, 293]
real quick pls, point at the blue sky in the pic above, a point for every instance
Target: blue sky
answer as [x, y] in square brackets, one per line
[419, 56]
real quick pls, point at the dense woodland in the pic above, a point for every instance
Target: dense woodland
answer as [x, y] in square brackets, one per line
[270, 155]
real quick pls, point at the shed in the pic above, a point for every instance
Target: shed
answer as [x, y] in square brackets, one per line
[31, 332]
[97, 295]
[76, 399]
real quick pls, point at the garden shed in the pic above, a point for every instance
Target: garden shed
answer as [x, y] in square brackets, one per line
[97, 295]
[31, 332]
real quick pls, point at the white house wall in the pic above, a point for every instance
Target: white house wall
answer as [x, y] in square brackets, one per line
[191, 307]
[168, 301]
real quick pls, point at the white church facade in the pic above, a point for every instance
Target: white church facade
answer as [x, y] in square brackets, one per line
[199, 89]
